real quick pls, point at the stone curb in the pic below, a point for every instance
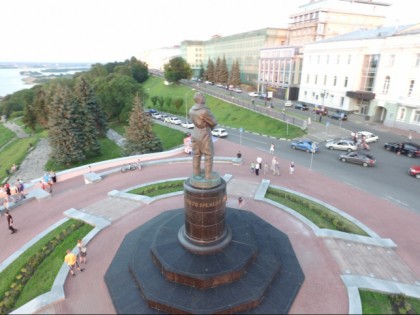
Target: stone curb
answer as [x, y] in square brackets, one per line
[57, 291]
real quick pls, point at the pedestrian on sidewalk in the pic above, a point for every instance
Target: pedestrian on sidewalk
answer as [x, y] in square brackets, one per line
[272, 148]
[71, 260]
[265, 168]
[292, 168]
[240, 202]
[10, 222]
[82, 252]
[252, 167]
[410, 137]
[257, 169]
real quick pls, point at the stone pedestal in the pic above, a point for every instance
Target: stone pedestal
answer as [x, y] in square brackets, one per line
[205, 231]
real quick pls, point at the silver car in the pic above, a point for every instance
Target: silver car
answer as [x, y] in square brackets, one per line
[341, 144]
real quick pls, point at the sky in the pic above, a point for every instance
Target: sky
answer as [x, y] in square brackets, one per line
[111, 30]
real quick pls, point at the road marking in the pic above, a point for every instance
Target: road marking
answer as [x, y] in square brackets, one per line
[395, 200]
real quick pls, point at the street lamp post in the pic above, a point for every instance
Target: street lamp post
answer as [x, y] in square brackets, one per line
[324, 93]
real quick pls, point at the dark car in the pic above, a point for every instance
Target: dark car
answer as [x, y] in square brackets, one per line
[321, 111]
[407, 148]
[338, 116]
[301, 106]
[150, 111]
[414, 171]
[358, 158]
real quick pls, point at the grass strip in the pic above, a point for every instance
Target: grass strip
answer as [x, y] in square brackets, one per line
[321, 216]
[158, 189]
[383, 303]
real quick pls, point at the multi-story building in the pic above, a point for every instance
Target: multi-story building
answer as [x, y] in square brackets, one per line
[243, 47]
[280, 66]
[157, 58]
[193, 52]
[373, 73]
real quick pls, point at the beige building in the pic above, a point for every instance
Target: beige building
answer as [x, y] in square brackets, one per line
[193, 52]
[373, 73]
[158, 57]
[314, 21]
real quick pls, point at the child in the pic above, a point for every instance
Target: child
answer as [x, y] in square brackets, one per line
[252, 167]
[292, 168]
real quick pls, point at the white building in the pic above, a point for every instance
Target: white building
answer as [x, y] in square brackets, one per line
[158, 57]
[372, 73]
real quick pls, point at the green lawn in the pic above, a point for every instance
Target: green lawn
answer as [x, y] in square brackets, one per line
[5, 135]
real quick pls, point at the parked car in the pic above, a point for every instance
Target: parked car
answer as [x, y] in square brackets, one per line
[164, 117]
[288, 104]
[369, 137]
[304, 145]
[414, 171]
[237, 90]
[175, 120]
[341, 144]
[360, 158]
[338, 116]
[150, 111]
[219, 132]
[156, 116]
[187, 124]
[301, 106]
[253, 94]
[321, 111]
[410, 149]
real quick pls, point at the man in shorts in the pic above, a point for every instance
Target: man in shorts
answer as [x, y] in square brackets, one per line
[71, 261]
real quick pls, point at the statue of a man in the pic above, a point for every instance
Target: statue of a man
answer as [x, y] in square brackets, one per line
[201, 137]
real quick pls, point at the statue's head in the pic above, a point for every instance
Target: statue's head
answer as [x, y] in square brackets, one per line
[199, 98]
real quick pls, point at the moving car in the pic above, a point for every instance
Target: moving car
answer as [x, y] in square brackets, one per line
[253, 94]
[237, 90]
[175, 120]
[414, 171]
[150, 111]
[321, 111]
[156, 115]
[338, 116]
[219, 132]
[369, 137]
[304, 145]
[163, 117]
[288, 104]
[301, 106]
[341, 144]
[187, 124]
[358, 158]
[410, 149]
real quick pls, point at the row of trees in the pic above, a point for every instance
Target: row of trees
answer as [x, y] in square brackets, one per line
[219, 72]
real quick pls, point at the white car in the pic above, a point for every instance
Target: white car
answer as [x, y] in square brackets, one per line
[253, 94]
[175, 120]
[370, 137]
[156, 116]
[288, 104]
[219, 132]
[187, 124]
[237, 90]
[341, 144]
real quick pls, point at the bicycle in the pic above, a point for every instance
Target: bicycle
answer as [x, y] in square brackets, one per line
[130, 167]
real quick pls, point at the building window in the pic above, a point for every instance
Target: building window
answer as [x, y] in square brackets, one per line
[416, 117]
[348, 59]
[338, 59]
[346, 81]
[410, 88]
[342, 101]
[335, 81]
[401, 113]
[318, 58]
[391, 60]
[325, 80]
[418, 60]
[370, 67]
[316, 79]
[307, 78]
[328, 59]
[386, 85]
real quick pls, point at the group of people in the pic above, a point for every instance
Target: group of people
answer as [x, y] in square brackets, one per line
[360, 142]
[48, 180]
[275, 167]
[71, 259]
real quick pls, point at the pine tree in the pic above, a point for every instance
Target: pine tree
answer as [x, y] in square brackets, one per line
[65, 135]
[86, 118]
[235, 76]
[217, 70]
[139, 134]
[210, 71]
[224, 72]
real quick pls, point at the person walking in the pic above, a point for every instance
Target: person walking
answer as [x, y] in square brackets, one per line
[82, 252]
[265, 169]
[276, 167]
[272, 148]
[71, 260]
[257, 168]
[240, 202]
[292, 168]
[10, 222]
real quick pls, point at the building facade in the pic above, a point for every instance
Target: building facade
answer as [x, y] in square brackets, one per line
[372, 73]
[193, 53]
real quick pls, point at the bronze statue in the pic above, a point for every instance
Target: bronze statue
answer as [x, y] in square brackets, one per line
[201, 137]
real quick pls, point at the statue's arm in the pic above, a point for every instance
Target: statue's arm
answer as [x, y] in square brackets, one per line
[209, 119]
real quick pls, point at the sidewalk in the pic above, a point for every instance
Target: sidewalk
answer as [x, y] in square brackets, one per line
[324, 260]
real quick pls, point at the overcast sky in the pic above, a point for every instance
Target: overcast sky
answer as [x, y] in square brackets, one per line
[111, 30]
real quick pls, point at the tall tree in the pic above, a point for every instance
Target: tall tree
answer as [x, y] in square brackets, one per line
[139, 70]
[209, 76]
[217, 70]
[235, 76]
[224, 72]
[139, 134]
[177, 69]
[65, 135]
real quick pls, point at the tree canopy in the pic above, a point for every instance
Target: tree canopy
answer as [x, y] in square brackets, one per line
[176, 70]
